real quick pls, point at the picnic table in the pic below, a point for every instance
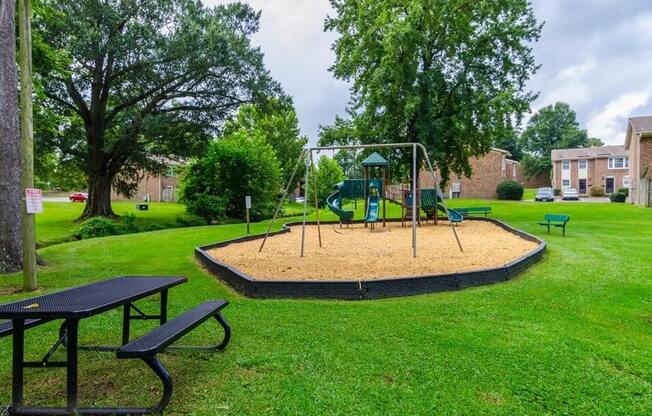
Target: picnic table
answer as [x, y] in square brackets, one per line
[82, 302]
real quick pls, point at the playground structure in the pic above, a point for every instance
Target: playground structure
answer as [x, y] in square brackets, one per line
[336, 201]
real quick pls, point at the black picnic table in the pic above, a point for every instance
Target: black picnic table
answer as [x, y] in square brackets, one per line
[72, 305]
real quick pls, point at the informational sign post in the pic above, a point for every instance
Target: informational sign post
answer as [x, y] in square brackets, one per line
[248, 207]
[34, 200]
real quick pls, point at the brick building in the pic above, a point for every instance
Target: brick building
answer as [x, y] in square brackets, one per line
[606, 166]
[488, 171]
[638, 144]
[156, 188]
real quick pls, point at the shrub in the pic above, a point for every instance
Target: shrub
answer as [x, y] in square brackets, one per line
[557, 191]
[624, 191]
[234, 166]
[510, 190]
[617, 197]
[596, 190]
[189, 220]
[97, 227]
[129, 224]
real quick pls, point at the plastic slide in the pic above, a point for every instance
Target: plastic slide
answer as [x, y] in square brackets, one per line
[453, 215]
[372, 205]
[334, 204]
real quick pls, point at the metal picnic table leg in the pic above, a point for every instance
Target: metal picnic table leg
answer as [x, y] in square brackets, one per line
[126, 323]
[164, 306]
[72, 327]
[17, 367]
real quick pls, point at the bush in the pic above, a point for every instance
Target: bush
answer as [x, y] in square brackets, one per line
[624, 191]
[97, 227]
[510, 190]
[129, 224]
[189, 221]
[556, 191]
[617, 197]
[209, 207]
[237, 165]
[596, 190]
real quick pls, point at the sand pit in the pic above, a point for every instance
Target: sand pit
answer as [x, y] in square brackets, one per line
[358, 254]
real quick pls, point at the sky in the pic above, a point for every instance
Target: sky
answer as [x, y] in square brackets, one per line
[594, 55]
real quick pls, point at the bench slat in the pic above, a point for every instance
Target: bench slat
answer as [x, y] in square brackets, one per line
[159, 338]
[7, 327]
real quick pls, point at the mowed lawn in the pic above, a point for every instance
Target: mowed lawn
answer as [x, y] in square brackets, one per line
[572, 335]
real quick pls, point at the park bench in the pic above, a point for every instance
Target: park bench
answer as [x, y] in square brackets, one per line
[555, 220]
[474, 210]
[82, 302]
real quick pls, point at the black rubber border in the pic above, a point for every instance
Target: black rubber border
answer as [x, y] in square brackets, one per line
[371, 289]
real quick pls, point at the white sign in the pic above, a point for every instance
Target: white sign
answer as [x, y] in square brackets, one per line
[34, 200]
[248, 202]
[457, 187]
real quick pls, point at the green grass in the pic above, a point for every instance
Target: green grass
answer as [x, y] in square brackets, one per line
[571, 335]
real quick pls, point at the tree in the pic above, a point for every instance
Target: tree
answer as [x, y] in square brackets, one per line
[326, 174]
[512, 143]
[449, 74]
[234, 166]
[552, 127]
[147, 79]
[10, 161]
[276, 121]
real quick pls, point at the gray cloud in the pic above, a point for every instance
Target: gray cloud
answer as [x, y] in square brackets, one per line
[594, 54]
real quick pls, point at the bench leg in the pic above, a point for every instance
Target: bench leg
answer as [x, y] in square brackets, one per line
[162, 373]
[227, 331]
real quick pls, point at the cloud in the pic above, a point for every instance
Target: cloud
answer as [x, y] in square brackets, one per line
[610, 121]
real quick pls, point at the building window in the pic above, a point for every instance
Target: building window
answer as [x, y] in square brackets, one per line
[565, 164]
[618, 162]
[582, 164]
[626, 181]
[565, 182]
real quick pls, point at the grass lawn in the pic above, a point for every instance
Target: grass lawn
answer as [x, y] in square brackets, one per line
[572, 335]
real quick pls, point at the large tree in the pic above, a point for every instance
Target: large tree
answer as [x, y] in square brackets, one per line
[552, 127]
[145, 79]
[10, 155]
[449, 74]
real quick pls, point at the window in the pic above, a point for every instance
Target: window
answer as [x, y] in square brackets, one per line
[626, 181]
[565, 182]
[565, 164]
[618, 162]
[582, 164]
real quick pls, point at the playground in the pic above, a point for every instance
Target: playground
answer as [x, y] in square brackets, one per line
[357, 253]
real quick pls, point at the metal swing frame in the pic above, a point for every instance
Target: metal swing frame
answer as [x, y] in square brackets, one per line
[307, 156]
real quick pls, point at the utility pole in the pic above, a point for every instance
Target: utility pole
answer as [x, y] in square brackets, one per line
[26, 141]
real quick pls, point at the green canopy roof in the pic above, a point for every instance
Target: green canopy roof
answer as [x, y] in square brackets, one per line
[374, 160]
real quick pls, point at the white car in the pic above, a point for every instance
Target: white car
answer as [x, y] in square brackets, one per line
[570, 194]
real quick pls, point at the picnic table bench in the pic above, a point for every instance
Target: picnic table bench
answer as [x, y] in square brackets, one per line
[82, 302]
[474, 210]
[555, 220]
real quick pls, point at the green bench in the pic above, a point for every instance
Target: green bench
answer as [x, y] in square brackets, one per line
[474, 210]
[555, 220]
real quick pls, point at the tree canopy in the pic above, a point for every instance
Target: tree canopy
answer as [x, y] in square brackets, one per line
[138, 80]
[552, 127]
[449, 74]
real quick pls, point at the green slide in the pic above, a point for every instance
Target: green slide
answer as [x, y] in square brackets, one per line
[334, 203]
[453, 215]
[372, 204]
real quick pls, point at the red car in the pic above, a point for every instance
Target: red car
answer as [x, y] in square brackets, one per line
[78, 197]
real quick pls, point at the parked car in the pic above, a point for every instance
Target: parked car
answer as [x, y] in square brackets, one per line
[570, 194]
[78, 197]
[544, 195]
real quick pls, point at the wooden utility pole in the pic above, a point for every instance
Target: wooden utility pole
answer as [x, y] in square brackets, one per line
[26, 140]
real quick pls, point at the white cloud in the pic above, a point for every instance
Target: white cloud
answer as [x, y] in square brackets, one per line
[609, 123]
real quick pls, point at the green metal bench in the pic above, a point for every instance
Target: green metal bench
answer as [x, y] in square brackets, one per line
[474, 210]
[555, 220]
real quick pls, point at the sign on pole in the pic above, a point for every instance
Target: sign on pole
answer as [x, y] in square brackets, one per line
[34, 200]
[248, 207]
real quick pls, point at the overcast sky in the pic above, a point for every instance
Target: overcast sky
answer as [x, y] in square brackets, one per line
[595, 55]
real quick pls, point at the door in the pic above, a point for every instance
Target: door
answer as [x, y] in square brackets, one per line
[582, 187]
[609, 186]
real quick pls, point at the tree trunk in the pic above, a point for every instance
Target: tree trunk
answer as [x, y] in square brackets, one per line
[10, 161]
[99, 195]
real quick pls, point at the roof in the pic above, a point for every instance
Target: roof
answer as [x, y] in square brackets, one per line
[505, 152]
[375, 159]
[638, 125]
[588, 153]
